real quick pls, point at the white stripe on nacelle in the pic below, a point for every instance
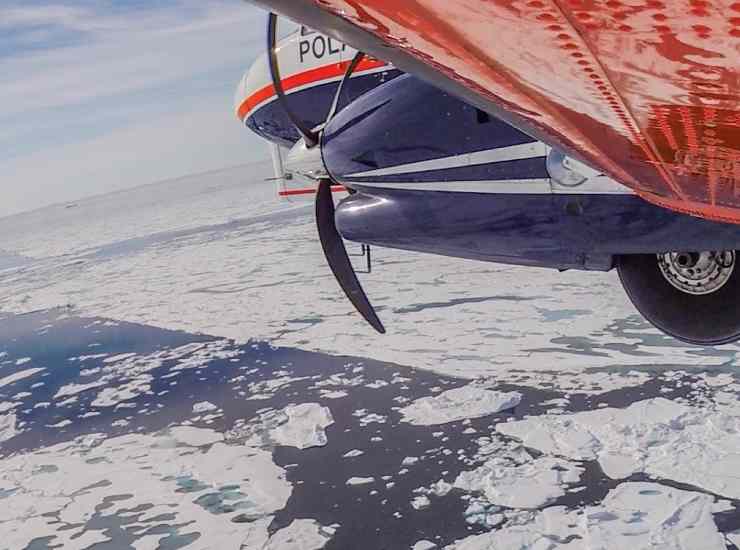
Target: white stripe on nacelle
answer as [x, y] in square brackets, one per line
[501, 154]
[522, 187]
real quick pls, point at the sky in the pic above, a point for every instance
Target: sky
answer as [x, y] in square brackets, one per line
[100, 95]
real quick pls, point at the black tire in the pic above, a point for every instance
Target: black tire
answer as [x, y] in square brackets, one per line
[706, 320]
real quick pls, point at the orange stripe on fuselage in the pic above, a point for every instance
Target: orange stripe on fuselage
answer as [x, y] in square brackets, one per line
[301, 79]
[309, 191]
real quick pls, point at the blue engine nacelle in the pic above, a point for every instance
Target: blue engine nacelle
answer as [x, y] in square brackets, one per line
[434, 174]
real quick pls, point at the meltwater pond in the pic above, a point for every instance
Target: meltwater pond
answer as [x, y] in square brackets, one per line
[120, 435]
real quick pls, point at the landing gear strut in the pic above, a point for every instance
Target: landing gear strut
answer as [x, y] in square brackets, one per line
[693, 296]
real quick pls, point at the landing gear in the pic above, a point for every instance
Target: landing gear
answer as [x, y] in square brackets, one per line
[692, 296]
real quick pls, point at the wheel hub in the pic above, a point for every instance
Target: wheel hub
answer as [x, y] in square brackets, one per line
[697, 273]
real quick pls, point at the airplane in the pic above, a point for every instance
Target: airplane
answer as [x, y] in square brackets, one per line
[450, 141]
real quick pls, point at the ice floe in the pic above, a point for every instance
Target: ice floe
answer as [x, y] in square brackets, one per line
[457, 404]
[303, 426]
[204, 407]
[8, 427]
[20, 375]
[530, 484]
[633, 515]
[698, 446]
[73, 388]
[360, 480]
[301, 534]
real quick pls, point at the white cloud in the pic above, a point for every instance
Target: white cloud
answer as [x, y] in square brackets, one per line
[142, 95]
[13, 16]
[204, 138]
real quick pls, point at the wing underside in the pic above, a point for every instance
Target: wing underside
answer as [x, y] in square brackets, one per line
[647, 91]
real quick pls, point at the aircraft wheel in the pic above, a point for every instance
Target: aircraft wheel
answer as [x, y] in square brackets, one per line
[692, 296]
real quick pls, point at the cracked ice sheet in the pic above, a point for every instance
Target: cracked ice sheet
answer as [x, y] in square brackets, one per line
[694, 445]
[187, 472]
[638, 516]
[452, 316]
[531, 484]
[458, 404]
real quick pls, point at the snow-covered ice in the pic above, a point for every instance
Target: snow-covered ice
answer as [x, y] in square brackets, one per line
[304, 426]
[531, 484]
[8, 427]
[637, 516]
[204, 407]
[189, 264]
[360, 480]
[148, 470]
[694, 445]
[457, 404]
[20, 375]
[301, 534]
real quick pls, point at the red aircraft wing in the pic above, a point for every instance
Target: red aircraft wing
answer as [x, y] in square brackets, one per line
[647, 91]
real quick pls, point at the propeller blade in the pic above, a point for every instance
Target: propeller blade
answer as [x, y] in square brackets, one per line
[336, 256]
[309, 136]
[359, 56]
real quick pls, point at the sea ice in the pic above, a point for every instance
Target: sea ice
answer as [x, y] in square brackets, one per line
[20, 375]
[301, 534]
[699, 446]
[303, 427]
[74, 389]
[529, 485]
[360, 480]
[457, 404]
[203, 407]
[638, 516]
[8, 426]
[182, 473]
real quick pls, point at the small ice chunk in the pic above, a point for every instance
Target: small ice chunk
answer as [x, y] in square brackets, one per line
[60, 424]
[420, 502]
[373, 418]
[360, 480]
[424, 545]
[203, 407]
[353, 453]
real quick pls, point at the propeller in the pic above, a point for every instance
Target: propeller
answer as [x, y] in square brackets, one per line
[331, 241]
